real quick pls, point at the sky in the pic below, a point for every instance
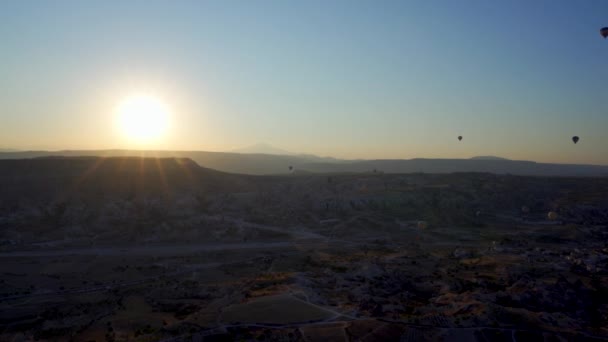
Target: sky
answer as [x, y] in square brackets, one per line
[342, 78]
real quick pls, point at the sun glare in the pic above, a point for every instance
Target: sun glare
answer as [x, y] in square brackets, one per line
[143, 118]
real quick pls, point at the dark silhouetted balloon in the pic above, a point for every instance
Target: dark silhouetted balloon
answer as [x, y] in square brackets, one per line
[552, 215]
[459, 137]
[604, 32]
[575, 139]
[290, 167]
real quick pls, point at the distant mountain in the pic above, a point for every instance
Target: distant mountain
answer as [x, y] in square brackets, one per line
[266, 164]
[488, 158]
[262, 148]
[315, 157]
[500, 166]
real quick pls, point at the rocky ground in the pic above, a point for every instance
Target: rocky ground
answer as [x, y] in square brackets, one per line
[371, 256]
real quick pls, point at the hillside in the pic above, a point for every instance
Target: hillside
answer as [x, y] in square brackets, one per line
[100, 247]
[55, 178]
[266, 164]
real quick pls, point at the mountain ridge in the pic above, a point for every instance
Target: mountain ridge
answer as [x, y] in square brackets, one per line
[268, 164]
[261, 148]
[488, 158]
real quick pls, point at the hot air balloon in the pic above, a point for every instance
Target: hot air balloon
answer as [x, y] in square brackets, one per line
[552, 215]
[604, 32]
[459, 137]
[422, 225]
[290, 168]
[575, 139]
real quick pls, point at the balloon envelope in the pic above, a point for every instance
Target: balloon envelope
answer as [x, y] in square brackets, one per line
[459, 137]
[604, 32]
[575, 139]
[552, 215]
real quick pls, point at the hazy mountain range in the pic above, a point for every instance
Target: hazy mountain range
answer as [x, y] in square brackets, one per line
[278, 162]
[262, 148]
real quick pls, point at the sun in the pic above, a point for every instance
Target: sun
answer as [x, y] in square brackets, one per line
[143, 118]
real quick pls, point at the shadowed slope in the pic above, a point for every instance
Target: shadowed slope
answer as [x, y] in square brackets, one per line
[98, 177]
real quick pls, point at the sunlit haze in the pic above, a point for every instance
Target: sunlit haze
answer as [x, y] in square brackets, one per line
[143, 119]
[349, 79]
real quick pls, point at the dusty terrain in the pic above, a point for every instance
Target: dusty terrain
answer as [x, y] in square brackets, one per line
[128, 249]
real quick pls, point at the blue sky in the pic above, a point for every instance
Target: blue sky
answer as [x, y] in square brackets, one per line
[353, 79]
